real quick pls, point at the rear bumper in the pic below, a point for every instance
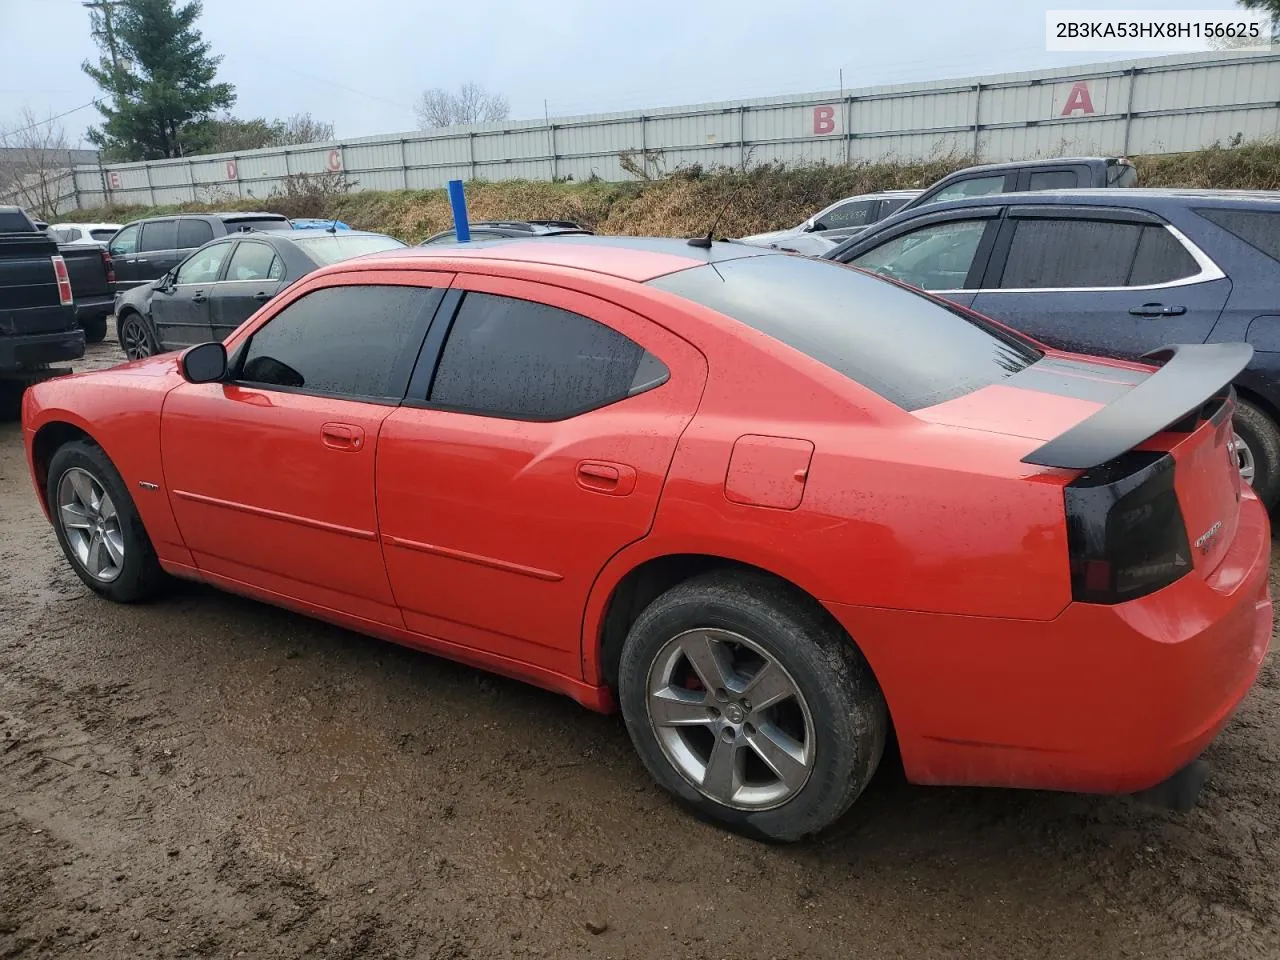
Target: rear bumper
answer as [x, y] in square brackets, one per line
[90, 308]
[25, 351]
[1103, 699]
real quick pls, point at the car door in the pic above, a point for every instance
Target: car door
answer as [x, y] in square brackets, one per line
[157, 250]
[193, 233]
[124, 256]
[538, 453]
[270, 475]
[253, 276]
[942, 253]
[180, 310]
[1100, 280]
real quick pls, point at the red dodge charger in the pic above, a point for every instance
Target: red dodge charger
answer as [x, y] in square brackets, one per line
[775, 510]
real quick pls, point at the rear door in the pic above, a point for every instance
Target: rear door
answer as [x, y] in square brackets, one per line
[180, 313]
[158, 251]
[529, 455]
[193, 234]
[253, 276]
[943, 253]
[1100, 280]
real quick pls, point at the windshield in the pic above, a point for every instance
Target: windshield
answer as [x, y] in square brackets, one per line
[909, 349]
[336, 247]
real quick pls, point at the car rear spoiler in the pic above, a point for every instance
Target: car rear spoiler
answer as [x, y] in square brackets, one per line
[1189, 376]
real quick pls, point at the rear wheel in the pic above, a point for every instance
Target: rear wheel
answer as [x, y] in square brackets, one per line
[751, 706]
[1257, 446]
[135, 336]
[95, 329]
[98, 526]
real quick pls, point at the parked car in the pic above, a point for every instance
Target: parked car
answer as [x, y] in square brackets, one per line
[849, 213]
[220, 286]
[99, 233]
[1111, 272]
[146, 250]
[317, 223]
[775, 509]
[494, 229]
[1020, 176]
[37, 312]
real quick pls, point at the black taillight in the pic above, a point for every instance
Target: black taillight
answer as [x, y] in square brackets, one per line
[1125, 531]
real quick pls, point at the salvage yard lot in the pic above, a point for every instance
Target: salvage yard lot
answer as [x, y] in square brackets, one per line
[209, 776]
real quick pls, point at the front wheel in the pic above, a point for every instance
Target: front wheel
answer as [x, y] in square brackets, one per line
[135, 337]
[1257, 447]
[98, 526]
[751, 706]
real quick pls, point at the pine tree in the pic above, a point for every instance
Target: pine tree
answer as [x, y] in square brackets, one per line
[158, 75]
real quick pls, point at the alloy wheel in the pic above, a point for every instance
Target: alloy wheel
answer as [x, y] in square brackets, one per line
[1244, 457]
[91, 524]
[730, 719]
[134, 337]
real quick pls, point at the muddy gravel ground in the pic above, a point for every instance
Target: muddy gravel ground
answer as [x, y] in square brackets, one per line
[205, 776]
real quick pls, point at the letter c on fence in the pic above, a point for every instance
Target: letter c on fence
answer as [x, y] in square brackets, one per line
[233, 172]
[334, 163]
[824, 119]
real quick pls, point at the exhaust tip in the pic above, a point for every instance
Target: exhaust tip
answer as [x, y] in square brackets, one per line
[1180, 791]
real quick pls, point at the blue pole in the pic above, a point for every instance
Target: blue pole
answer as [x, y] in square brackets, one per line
[458, 200]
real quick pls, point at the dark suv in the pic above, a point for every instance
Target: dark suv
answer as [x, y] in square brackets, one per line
[146, 250]
[1111, 272]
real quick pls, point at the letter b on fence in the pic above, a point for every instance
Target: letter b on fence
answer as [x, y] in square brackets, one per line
[824, 119]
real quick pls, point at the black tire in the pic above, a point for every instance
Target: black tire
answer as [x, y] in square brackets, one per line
[95, 329]
[849, 719]
[135, 337]
[140, 575]
[1260, 434]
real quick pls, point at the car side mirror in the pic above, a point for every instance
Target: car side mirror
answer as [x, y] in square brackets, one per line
[204, 363]
[815, 227]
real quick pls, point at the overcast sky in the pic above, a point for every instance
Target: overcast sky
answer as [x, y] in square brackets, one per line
[361, 63]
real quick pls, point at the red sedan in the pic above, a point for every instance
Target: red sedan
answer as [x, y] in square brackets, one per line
[776, 510]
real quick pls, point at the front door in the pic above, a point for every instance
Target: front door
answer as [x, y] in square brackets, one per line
[124, 257]
[180, 311]
[538, 454]
[271, 475]
[253, 276]
[1100, 281]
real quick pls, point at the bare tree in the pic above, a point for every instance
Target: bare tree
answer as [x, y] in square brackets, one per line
[34, 164]
[471, 103]
[303, 128]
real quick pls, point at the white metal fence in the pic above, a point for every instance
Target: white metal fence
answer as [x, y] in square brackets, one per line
[1159, 105]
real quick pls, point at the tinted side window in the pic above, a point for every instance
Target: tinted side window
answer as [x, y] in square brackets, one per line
[889, 204]
[936, 257]
[102, 235]
[855, 214]
[125, 242]
[1053, 180]
[1258, 228]
[203, 266]
[66, 234]
[193, 233]
[1070, 253]
[358, 342]
[161, 235]
[973, 187]
[528, 361]
[251, 261]
[899, 343]
[1161, 258]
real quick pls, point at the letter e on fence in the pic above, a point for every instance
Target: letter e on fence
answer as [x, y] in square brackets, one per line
[113, 179]
[1078, 99]
[824, 119]
[334, 161]
[233, 172]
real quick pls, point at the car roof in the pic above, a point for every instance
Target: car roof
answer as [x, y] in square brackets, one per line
[628, 258]
[309, 232]
[1035, 162]
[1100, 196]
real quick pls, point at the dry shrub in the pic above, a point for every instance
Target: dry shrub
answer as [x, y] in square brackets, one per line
[1247, 166]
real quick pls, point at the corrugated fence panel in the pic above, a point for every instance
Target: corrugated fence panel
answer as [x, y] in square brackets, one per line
[1165, 104]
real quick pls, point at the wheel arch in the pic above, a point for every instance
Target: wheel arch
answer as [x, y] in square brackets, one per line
[47, 440]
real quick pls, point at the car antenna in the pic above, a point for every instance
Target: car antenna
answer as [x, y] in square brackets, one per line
[333, 226]
[704, 243]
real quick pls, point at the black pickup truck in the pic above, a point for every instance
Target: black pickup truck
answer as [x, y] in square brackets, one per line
[93, 280]
[37, 312]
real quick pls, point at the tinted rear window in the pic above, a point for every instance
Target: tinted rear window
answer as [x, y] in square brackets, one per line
[257, 223]
[103, 235]
[336, 247]
[13, 222]
[908, 349]
[1258, 228]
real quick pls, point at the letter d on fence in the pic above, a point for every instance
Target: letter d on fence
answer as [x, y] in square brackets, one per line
[458, 201]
